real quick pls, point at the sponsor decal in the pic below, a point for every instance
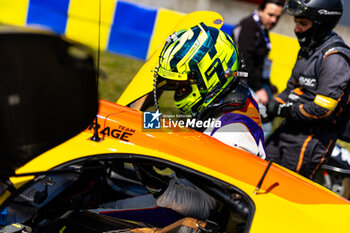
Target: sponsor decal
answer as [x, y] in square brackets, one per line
[218, 21]
[120, 132]
[307, 82]
[293, 96]
[326, 12]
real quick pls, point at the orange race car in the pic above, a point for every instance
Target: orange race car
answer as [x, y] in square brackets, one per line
[69, 178]
[62, 159]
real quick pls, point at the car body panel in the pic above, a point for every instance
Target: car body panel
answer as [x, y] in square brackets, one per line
[286, 201]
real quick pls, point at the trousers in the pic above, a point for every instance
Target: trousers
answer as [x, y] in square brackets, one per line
[299, 151]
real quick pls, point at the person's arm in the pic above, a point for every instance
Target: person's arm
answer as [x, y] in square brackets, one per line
[247, 49]
[334, 77]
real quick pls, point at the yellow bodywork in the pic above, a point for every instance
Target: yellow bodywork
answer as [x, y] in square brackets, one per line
[286, 201]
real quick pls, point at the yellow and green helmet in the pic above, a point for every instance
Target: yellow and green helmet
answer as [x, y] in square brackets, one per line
[198, 64]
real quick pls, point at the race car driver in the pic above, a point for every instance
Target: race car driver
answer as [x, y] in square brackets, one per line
[202, 66]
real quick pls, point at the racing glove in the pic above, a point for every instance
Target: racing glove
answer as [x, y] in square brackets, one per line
[274, 109]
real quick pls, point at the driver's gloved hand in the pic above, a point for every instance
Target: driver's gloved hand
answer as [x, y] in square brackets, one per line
[274, 109]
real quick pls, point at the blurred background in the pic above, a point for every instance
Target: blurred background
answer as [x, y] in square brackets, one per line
[131, 30]
[234, 10]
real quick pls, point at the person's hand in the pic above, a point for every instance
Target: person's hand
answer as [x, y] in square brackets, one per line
[274, 109]
[268, 113]
[262, 96]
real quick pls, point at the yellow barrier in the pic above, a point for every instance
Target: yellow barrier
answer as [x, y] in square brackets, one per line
[79, 20]
[283, 54]
[7, 12]
[82, 26]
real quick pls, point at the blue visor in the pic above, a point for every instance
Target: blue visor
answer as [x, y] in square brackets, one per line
[295, 7]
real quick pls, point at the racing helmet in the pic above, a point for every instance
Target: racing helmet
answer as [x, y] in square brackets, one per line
[198, 64]
[325, 14]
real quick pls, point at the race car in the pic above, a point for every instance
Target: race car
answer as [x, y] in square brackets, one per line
[54, 191]
[62, 157]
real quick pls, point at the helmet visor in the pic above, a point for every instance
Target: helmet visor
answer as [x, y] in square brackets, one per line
[168, 84]
[181, 88]
[172, 81]
[172, 75]
[295, 7]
